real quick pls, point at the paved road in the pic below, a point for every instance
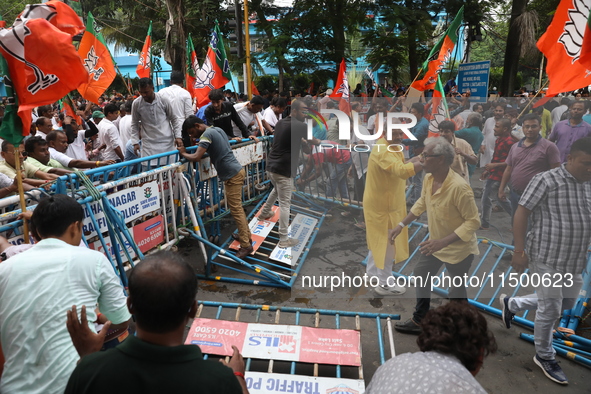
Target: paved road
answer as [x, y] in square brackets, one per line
[340, 247]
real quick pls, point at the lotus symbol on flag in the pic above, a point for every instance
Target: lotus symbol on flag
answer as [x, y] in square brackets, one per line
[205, 75]
[572, 38]
[13, 42]
[437, 118]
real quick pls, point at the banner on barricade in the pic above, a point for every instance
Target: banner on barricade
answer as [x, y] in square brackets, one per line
[277, 342]
[301, 228]
[133, 202]
[259, 229]
[149, 234]
[245, 155]
[263, 383]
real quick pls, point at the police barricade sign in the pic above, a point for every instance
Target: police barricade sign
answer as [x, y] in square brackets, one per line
[133, 202]
[277, 342]
[264, 383]
[301, 228]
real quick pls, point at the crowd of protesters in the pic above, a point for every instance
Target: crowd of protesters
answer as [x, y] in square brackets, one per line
[533, 160]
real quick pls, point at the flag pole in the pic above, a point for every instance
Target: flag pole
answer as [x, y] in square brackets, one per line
[21, 191]
[528, 106]
[247, 50]
[413, 81]
[123, 78]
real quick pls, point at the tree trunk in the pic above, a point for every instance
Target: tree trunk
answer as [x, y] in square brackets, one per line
[280, 78]
[512, 51]
[176, 37]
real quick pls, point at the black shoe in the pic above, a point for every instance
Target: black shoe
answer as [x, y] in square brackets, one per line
[408, 327]
[507, 315]
[552, 370]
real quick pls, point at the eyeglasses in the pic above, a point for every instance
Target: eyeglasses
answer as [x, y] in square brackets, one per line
[424, 156]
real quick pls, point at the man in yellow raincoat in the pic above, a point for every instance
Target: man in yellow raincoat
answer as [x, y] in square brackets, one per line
[384, 206]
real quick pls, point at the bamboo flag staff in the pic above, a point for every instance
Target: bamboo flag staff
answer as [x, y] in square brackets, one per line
[528, 106]
[21, 191]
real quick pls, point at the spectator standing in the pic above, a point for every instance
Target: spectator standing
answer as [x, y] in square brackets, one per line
[566, 132]
[109, 135]
[161, 128]
[493, 172]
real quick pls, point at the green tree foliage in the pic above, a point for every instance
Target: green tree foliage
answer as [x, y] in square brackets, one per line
[125, 22]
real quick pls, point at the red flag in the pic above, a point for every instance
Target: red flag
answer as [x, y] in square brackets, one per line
[562, 44]
[311, 88]
[145, 61]
[98, 63]
[40, 76]
[215, 72]
[55, 12]
[342, 89]
[255, 91]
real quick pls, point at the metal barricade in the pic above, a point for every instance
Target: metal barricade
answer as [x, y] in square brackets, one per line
[363, 322]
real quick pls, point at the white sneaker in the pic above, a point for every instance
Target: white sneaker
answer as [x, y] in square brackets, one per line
[288, 243]
[390, 291]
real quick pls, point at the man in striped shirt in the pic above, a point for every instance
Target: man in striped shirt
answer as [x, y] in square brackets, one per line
[559, 203]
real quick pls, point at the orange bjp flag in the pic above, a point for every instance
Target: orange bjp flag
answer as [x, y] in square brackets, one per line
[55, 12]
[215, 72]
[562, 44]
[145, 62]
[40, 76]
[341, 89]
[98, 62]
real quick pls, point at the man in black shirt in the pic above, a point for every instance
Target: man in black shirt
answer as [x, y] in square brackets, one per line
[162, 293]
[222, 113]
[282, 167]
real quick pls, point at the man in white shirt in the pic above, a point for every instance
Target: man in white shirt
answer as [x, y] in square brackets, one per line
[161, 127]
[58, 144]
[125, 125]
[180, 99]
[109, 135]
[560, 110]
[44, 126]
[274, 112]
[40, 356]
[249, 113]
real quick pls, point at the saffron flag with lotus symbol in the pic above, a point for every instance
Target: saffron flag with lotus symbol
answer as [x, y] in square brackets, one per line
[563, 43]
[215, 72]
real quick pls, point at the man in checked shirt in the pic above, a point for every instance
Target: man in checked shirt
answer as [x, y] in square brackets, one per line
[559, 203]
